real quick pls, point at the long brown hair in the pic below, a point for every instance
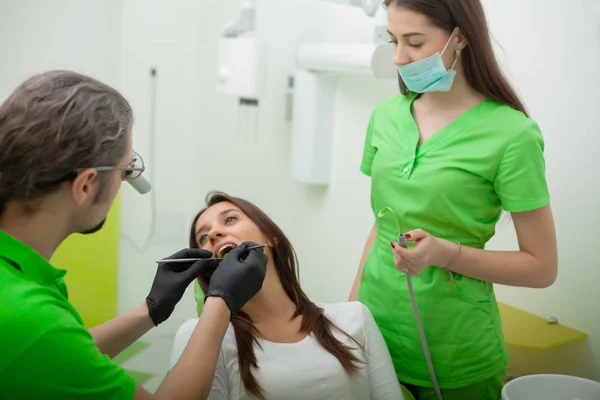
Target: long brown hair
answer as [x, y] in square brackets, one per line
[481, 67]
[285, 261]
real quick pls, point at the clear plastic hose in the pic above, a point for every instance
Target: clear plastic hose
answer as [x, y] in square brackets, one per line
[404, 243]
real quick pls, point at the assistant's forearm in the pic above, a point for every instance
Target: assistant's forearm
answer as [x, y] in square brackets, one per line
[511, 268]
[363, 259]
[114, 336]
[193, 374]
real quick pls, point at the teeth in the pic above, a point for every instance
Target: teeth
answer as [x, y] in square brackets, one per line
[225, 247]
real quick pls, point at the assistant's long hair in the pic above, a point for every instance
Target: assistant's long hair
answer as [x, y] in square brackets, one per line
[479, 61]
[285, 262]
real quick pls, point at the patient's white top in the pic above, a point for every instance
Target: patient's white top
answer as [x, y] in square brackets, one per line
[305, 370]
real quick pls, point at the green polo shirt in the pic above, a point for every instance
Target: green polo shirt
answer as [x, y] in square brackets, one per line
[46, 351]
[454, 185]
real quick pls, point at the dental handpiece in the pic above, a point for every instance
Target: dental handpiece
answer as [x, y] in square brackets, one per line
[402, 240]
[180, 260]
[404, 243]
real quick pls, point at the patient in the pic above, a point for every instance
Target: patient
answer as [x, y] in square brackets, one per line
[281, 345]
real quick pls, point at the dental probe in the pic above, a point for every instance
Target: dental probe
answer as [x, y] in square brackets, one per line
[178, 260]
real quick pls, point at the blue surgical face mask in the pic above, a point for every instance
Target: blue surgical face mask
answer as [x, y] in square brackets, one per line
[430, 74]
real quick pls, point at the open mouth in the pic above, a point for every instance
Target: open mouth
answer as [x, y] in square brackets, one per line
[225, 249]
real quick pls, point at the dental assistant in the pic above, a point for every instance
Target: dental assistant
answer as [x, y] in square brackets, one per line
[65, 148]
[448, 154]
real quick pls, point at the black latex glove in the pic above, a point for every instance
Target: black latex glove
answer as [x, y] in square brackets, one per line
[239, 276]
[172, 279]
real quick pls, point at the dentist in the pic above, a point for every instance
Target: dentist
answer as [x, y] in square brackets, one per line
[448, 154]
[65, 148]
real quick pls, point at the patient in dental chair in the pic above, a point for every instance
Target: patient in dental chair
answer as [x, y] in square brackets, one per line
[281, 345]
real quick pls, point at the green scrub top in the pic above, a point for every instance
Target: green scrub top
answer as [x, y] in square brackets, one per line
[454, 186]
[46, 351]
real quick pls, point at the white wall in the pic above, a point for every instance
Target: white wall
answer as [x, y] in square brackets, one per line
[40, 35]
[550, 52]
[198, 142]
[328, 227]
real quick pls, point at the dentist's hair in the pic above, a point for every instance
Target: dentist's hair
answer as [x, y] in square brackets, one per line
[54, 123]
[285, 262]
[478, 59]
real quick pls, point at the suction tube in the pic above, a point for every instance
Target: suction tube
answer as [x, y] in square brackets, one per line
[404, 243]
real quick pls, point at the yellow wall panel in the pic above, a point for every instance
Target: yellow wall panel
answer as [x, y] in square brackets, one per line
[92, 264]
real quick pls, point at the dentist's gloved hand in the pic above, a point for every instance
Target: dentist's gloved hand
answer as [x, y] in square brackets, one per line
[239, 276]
[172, 279]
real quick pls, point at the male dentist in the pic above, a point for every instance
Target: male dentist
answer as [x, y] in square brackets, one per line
[65, 148]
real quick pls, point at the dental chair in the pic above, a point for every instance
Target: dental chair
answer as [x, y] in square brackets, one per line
[181, 340]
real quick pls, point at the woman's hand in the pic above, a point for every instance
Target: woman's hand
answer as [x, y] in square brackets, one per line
[427, 251]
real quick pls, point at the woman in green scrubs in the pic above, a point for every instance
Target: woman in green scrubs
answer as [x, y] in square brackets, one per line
[447, 155]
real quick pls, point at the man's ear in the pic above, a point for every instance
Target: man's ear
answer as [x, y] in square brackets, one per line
[81, 187]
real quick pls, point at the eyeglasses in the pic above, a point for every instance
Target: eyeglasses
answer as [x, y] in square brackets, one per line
[134, 170]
